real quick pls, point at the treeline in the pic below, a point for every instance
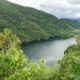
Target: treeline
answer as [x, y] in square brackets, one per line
[15, 66]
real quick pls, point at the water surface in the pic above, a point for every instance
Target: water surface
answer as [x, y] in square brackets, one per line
[51, 50]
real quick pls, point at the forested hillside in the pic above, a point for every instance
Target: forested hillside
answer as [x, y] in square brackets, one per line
[31, 24]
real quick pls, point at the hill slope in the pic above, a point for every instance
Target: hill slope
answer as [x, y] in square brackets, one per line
[31, 24]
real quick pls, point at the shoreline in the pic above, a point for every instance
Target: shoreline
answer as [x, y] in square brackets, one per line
[49, 39]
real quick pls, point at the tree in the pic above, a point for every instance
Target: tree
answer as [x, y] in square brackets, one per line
[13, 64]
[12, 59]
[77, 39]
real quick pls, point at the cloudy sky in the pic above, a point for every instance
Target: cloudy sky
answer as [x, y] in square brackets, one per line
[59, 8]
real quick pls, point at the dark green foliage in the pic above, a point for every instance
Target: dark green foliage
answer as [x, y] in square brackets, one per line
[31, 24]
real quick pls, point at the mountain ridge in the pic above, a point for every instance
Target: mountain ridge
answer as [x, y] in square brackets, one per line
[32, 24]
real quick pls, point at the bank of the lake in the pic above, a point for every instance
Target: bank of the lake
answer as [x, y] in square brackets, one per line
[52, 50]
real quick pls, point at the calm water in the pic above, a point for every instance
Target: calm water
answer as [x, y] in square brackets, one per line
[51, 50]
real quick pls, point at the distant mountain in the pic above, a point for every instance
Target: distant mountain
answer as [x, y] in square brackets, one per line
[31, 24]
[77, 19]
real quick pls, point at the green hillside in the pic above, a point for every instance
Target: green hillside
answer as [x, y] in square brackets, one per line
[31, 24]
[71, 22]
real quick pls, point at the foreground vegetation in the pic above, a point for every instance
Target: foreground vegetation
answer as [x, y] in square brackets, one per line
[15, 66]
[31, 24]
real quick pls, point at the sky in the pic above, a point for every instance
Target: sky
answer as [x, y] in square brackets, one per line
[59, 8]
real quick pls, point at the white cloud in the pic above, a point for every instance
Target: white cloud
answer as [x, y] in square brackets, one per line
[74, 1]
[30, 3]
[77, 15]
[59, 8]
[69, 11]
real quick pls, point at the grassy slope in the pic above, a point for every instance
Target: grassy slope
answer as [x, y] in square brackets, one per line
[31, 24]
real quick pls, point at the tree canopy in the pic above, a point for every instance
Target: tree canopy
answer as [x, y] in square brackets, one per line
[15, 66]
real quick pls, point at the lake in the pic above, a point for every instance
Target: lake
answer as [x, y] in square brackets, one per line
[51, 50]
